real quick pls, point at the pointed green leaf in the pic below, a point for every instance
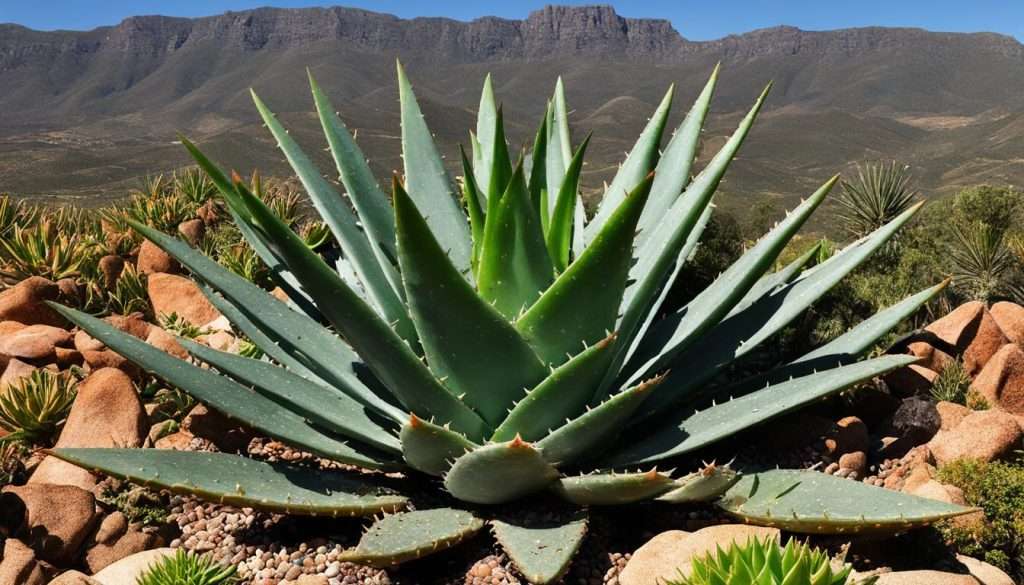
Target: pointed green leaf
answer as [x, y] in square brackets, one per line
[695, 429]
[583, 303]
[431, 448]
[336, 213]
[501, 164]
[405, 536]
[638, 164]
[554, 162]
[242, 482]
[224, 395]
[613, 489]
[476, 352]
[563, 394]
[486, 116]
[811, 502]
[541, 550]
[514, 263]
[769, 282]
[577, 437]
[672, 174]
[328, 408]
[560, 128]
[538, 176]
[387, 355]
[427, 181]
[472, 196]
[559, 234]
[499, 472]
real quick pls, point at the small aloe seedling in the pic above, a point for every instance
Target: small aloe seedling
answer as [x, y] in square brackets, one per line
[505, 347]
[34, 408]
[764, 562]
[186, 568]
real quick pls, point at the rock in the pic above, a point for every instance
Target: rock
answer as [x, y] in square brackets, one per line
[854, 460]
[850, 434]
[221, 340]
[10, 327]
[917, 476]
[312, 580]
[106, 413]
[74, 578]
[984, 572]
[15, 370]
[971, 329]
[662, 557]
[916, 420]
[178, 441]
[35, 342]
[924, 578]
[1001, 381]
[134, 324]
[70, 290]
[193, 230]
[65, 357]
[208, 212]
[934, 490]
[950, 414]
[871, 404]
[176, 294]
[932, 358]
[111, 267]
[153, 260]
[101, 555]
[1010, 319]
[59, 518]
[164, 341]
[108, 358]
[85, 342]
[984, 435]
[19, 565]
[25, 303]
[228, 435]
[112, 527]
[912, 379]
[127, 570]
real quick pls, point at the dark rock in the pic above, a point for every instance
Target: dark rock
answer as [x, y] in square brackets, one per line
[916, 420]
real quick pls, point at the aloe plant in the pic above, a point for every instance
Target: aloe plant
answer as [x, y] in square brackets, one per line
[517, 353]
[764, 562]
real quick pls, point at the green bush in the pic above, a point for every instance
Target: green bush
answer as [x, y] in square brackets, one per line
[998, 489]
[185, 568]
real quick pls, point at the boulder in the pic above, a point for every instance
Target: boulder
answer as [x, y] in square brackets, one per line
[35, 342]
[106, 413]
[227, 434]
[924, 578]
[193, 230]
[100, 555]
[1001, 381]
[854, 461]
[25, 302]
[15, 370]
[950, 414]
[916, 420]
[970, 329]
[19, 566]
[74, 578]
[65, 357]
[663, 556]
[167, 342]
[59, 518]
[111, 267]
[934, 490]
[108, 358]
[1010, 318]
[984, 435]
[179, 441]
[176, 294]
[984, 572]
[912, 379]
[849, 435]
[85, 342]
[932, 358]
[134, 324]
[9, 327]
[127, 570]
[153, 260]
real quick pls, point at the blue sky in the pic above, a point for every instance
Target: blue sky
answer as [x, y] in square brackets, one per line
[695, 19]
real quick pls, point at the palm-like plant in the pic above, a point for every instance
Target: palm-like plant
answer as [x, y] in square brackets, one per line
[984, 262]
[504, 355]
[880, 193]
[44, 250]
[34, 408]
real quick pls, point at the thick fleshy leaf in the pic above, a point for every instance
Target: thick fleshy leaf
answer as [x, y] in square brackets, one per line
[343, 224]
[477, 353]
[639, 163]
[242, 482]
[541, 549]
[583, 303]
[514, 263]
[473, 199]
[577, 437]
[560, 229]
[672, 174]
[811, 502]
[486, 117]
[562, 395]
[226, 396]
[537, 182]
[499, 472]
[695, 429]
[431, 448]
[501, 164]
[554, 162]
[327, 407]
[427, 181]
[387, 355]
[769, 282]
[405, 536]
[366, 195]
[613, 489]
[675, 332]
